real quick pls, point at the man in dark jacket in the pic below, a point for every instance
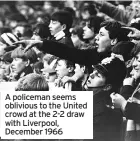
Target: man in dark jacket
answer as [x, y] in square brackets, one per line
[102, 81]
[60, 24]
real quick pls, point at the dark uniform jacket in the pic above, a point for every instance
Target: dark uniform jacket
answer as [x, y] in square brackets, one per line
[106, 121]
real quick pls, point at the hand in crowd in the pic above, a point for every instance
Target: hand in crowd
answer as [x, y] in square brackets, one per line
[134, 100]
[129, 81]
[66, 79]
[135, 74]
[58, 82]
[28, 44]
[134, 33]
[118, 101]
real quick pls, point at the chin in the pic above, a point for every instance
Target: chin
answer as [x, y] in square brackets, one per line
[100, 51]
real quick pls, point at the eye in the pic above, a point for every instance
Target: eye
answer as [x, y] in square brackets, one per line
[88, 25]
[54, 22]
[101, 34]
[35, 33]
[138, 60]
[98, 74]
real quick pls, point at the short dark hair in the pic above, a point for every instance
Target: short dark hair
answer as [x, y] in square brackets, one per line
[95, 22]
[115, 30]
[70, 9]
[136, 49]
[91, 9]
[64, 17]
[38, 66]
[42, 30]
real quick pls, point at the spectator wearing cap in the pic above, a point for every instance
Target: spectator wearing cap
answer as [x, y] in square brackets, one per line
[106, 78]
[6, 40]
[32, 82]
[60, 24]
[22, 62]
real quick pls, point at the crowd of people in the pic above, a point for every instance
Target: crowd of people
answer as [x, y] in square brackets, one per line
[78, 46]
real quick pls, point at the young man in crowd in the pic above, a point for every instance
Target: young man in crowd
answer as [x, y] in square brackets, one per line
[60, 24]
[22, 63]
[64, 68]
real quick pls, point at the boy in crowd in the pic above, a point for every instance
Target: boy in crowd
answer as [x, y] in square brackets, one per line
[64, 68]
[22, 63]
[60, 24]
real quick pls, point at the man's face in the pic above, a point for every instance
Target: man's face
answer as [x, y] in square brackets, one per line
[61, 69]
[18, 65]
[136, 67]
[96, 79]
[88, 33]
[103, 42]
[5, 66]
[55, 27]
[36, 36]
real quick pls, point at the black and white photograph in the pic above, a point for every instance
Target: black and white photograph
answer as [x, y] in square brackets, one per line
[70, 45]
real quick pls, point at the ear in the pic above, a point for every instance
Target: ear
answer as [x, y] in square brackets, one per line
[27, 62]
[63, 26]
[71, 69]
[114, 41]
[107, 87]
[83, 68]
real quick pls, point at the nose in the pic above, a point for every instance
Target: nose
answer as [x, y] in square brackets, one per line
[33, 37]
[134, 64]
[97, 37]
[84, 28]
[56, 68]
[12, 64]
[50, 25]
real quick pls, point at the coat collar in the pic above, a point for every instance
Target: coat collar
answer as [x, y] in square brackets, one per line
[59, 35]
